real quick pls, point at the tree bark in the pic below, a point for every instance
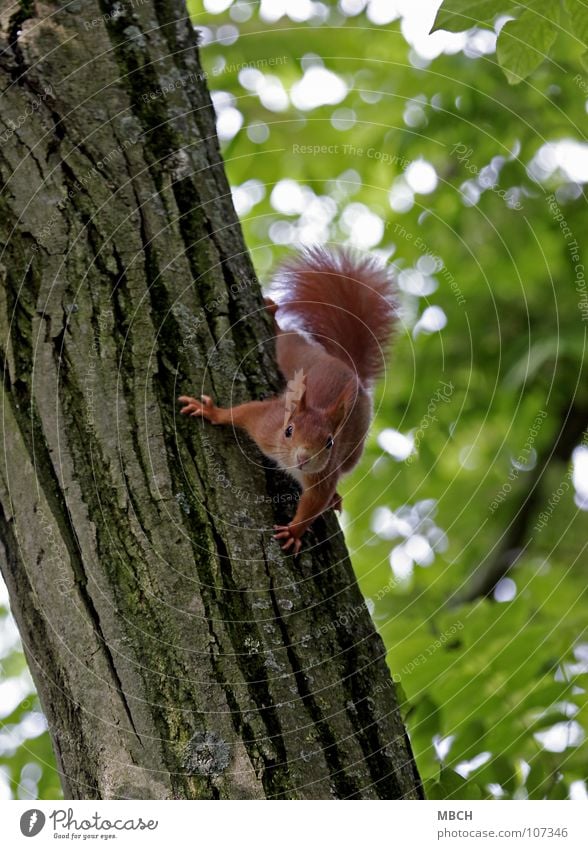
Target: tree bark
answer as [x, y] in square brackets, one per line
[178, 653]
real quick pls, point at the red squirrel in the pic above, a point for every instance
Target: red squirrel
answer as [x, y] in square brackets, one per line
[333, 314]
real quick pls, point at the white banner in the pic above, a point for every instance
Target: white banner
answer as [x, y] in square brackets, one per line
[278, 825]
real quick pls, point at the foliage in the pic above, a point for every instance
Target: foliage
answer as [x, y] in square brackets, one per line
[523, 43]
[338, 129]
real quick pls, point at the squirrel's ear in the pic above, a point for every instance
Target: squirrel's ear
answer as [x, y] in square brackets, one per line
[295, 400]
[300, 403]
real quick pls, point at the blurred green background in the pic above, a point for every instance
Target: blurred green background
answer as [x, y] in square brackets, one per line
[347, 123]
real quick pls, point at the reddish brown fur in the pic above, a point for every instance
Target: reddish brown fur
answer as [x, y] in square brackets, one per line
[346, 305]
[346, 302]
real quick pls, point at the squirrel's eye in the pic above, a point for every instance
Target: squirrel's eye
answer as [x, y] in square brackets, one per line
[289, 431]
[330, 442]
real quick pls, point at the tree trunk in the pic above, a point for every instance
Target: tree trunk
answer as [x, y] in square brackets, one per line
[177, 652]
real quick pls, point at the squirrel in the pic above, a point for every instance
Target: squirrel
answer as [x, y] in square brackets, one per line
[333, 315]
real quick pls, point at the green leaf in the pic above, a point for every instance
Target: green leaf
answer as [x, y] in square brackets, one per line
[548, 720]
[534, 358]
[427, 716]
[545, 694]
[433, 790]
[558, 791]
[453, 786]
[578, 14]
[523, 44]
[459, 15]
[498, 770]
[542, 778]
[504, 772]
[469, 741]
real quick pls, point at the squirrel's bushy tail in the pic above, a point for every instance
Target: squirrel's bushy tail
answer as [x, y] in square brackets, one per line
[345, 301]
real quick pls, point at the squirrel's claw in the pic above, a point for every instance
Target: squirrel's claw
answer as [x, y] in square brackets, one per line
[284, 532]
[196, 408]
[192, 406]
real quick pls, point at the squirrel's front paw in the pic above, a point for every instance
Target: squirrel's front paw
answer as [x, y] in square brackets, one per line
[204, 408]
[291, 536]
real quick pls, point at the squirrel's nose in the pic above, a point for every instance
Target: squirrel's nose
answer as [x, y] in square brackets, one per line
[303, 457]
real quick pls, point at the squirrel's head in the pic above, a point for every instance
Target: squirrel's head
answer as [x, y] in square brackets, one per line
[309, 434]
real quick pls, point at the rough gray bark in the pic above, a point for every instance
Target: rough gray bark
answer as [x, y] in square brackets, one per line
[177, 652]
